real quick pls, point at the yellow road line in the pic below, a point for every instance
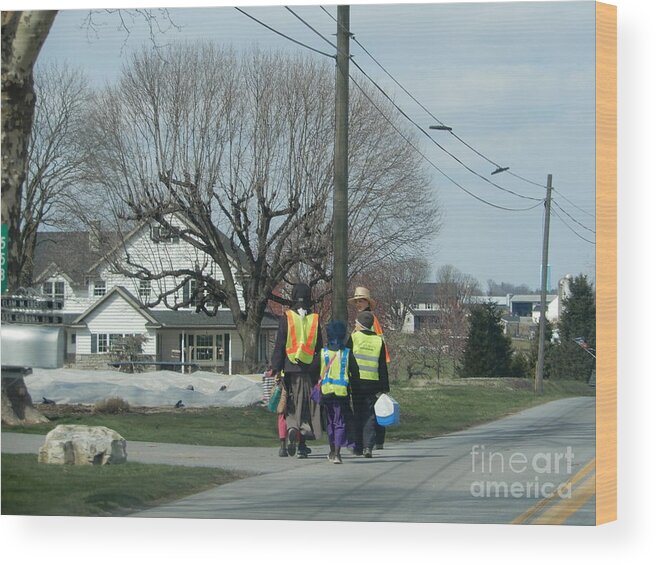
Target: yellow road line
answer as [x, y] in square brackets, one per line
[558, 513]
[523, 518]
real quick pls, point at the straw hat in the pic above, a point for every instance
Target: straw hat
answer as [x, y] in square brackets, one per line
[362, 292]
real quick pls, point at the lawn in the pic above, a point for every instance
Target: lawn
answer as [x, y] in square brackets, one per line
[30, 488]
[427, 410]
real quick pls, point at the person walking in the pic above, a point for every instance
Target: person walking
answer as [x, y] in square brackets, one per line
[363, 302]
[296, 353]
[369, 383]
[337, 366]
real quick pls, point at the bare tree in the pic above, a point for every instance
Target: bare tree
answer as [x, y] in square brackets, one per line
[23, 35]
[454, 296]
[55, 157]
[243, 147]
[394, 283]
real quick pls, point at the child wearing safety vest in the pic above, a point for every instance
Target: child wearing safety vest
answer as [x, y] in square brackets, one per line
[364, 302]
[371, 381]
[337, 366]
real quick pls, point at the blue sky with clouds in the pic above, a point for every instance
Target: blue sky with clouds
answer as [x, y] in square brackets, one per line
[515, 80]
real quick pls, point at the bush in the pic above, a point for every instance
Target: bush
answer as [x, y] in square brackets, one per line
[114, 405]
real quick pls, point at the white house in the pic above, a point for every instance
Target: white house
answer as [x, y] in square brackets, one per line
[100, 305]
[422, 313]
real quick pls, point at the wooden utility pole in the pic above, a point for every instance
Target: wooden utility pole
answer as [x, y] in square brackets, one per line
[539, 369]
[340, 192]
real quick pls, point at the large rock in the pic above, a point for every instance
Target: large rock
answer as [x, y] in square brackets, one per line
[83, 445]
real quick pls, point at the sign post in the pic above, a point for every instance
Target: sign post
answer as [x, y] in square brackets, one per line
[5, 255]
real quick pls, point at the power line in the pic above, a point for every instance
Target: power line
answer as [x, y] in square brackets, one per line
[404, 114]
[573, 219]
[425, 133]
[575, 206]
[409, 142]
[423, 107]
[283, 35]
[308, 25]
[572, 229]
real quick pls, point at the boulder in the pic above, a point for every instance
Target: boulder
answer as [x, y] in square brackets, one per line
[83, 445]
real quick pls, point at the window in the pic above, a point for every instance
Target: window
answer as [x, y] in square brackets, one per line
[73, 339]
[107, 343]
[188, 295]
[54, 289]
[99, 288]
[144, 290]
[162, 234]
[206, 347]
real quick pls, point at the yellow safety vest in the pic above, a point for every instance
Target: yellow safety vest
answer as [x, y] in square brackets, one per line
[301, 337]
[334, 372]
[366, 350]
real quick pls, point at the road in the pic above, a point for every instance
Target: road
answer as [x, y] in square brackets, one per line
[536, 466]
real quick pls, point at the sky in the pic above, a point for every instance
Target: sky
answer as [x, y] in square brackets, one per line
[515, 81]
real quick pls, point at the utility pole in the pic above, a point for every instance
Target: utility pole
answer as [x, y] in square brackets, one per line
[539, 369]
[340, 191]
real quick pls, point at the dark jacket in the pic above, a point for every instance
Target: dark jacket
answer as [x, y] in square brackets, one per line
[280, 362]
[364, 386]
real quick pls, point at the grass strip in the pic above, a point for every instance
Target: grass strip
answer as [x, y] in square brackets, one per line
[427, 410]
[30, 488]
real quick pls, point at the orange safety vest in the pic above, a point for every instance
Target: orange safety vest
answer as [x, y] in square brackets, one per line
[379, 331]
[301, 337]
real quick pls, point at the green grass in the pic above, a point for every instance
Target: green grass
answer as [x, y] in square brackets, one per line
[427, 409]
[30, 488]
[434, 410]
[252, 427]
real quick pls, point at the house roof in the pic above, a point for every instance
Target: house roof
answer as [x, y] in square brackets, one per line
[236, 253]
[68, 253]
[185, 319]
[173, 318]
[127, 296]
[530, 297]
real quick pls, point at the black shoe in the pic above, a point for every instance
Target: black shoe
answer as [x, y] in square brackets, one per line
[367, 452]
[291, 442]
[282, 452]
[304, 449]
[356, 452]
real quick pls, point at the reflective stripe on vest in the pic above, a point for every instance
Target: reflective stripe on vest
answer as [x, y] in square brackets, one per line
[301, 337]
[336, 380]
[366, 350]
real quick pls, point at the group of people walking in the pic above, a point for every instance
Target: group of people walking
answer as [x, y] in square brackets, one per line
[350, 372]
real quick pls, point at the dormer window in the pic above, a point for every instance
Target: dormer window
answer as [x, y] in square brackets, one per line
[99, 288]
[162, 234]
[54, 289]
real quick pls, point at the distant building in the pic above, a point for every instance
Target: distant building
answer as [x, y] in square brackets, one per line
[101, 306]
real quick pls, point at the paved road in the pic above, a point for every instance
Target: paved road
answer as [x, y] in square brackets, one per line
[506, 471]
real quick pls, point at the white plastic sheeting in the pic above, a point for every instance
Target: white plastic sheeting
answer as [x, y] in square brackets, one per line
[157, 388]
